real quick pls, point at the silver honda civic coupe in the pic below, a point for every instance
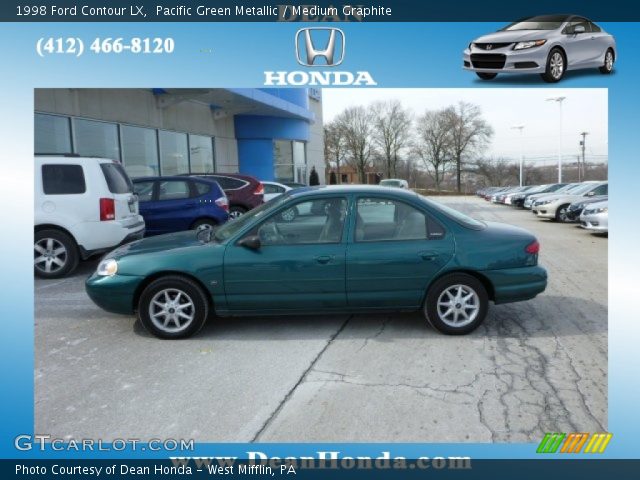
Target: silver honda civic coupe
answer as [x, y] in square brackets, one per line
[546, 44]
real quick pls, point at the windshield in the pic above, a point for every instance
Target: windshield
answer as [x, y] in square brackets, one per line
[543, 22]
[455, 215]
[232, 227]
[582, 189]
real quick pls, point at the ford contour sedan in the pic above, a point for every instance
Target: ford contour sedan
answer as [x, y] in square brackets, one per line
[547, 44]
[348, 249]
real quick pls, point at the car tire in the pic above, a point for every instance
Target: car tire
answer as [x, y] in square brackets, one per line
[609, 59]
[162, 302]
[561, 213]
[556, 66]
[236, 211]
[456, 288]
[486, 76]
[56, 252]
[204, 223]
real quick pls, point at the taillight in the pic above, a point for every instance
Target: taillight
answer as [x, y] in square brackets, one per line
[533, 248]
[107, 209]
[259, 189]
[223, 203]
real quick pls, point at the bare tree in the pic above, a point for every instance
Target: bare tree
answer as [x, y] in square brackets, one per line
[433, 142]
[334, 146]
[497, 171]
[356, 126]
[391, 132]
[470, 133]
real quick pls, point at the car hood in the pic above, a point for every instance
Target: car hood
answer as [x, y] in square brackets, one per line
[170, 241]
[589, 200]
[512, 37]
[561, 198]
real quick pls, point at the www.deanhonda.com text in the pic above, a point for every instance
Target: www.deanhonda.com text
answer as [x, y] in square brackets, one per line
[323, 459]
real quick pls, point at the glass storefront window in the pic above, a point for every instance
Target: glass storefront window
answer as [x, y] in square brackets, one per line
[52, 134]
[300, 162]
[201, 154]
[96, 139]
[174, 155]
[283, 160]
[139, 151]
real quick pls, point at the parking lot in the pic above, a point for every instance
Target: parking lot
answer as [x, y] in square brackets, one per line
[531, 368]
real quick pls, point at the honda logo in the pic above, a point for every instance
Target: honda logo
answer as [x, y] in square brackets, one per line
[315, 43]
[489, 46]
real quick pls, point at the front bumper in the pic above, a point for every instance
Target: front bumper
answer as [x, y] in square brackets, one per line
[114, 294]
[517, 284]
[545, 211]
[505, 60]
[596, 222]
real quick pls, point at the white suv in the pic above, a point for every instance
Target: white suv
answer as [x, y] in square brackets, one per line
[83, 206]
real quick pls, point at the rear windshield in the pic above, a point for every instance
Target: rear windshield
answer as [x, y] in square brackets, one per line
[117, 179]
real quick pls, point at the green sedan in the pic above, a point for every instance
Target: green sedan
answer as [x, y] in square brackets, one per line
[324, 250]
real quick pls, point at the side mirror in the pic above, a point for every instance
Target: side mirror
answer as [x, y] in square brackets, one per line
[252, 242]
[579, 29]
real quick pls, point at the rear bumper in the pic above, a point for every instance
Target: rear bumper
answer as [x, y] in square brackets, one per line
[114, 294]
[137, 234]
[517, 284]
[596, 222]
[101, 236]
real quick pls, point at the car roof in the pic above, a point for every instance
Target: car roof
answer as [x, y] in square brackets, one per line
[73, 159]
[174, 177]
[347, 189]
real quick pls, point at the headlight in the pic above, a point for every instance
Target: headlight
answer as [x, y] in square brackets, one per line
[530, 44]
[107, 268]
[602, 210]
[544, 202]
[470, 45]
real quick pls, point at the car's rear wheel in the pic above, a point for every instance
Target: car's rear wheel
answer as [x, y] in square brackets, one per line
[607, 67]
[562, 214]
[236, 211]
[556, 66]
[486, 76]
[456, 304]
[204, 223]
[173, 307]
[55, 254]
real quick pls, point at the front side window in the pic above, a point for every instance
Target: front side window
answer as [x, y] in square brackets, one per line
[63, 180]
[144, 190]
[173, 190]
[311, 222]
[601, 189]
[381, 219]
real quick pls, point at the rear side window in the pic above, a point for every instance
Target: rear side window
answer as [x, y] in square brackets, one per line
[202, 188]
[63, 179]
[173, 190]
[228, 183]
[117, 179]
[601, 189]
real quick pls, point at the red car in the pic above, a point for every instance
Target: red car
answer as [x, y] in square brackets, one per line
[243, 191]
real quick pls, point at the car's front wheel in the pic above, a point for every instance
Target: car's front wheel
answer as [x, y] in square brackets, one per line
[456, 304]
[486, 76]
[55, 254]
[562, 214]
[556, 66]
[173, 307]
[607, 67]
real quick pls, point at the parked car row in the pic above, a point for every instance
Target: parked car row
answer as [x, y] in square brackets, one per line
[583, 202]
[86, 206]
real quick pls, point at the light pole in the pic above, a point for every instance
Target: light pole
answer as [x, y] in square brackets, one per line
[559, 101]
[583, 145]
[521, 128]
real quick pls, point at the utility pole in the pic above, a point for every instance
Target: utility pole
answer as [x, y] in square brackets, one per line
[521, 128]
[559, 101]
[583, 145]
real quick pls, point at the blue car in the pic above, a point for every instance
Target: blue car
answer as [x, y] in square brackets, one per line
[174, 204]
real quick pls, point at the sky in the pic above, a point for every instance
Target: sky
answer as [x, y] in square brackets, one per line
[584, 109]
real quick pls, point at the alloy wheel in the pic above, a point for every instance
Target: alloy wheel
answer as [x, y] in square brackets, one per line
[557, 65]
[458, 305]
[50, 255]
[171, 310]
[562, 214]
[233, 214]
[608, 61]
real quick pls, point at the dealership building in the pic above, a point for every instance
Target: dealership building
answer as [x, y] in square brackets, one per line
[270, 133]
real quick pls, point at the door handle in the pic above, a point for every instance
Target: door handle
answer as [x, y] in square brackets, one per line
[428, 256]
[323, 259]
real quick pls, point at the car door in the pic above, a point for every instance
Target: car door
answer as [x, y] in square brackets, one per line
[578, 46]
[600, 43]
[299, 266]
[172, 209]
[394, 253]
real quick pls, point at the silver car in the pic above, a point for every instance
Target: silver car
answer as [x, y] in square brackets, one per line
[547, 44]
[595, 217]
